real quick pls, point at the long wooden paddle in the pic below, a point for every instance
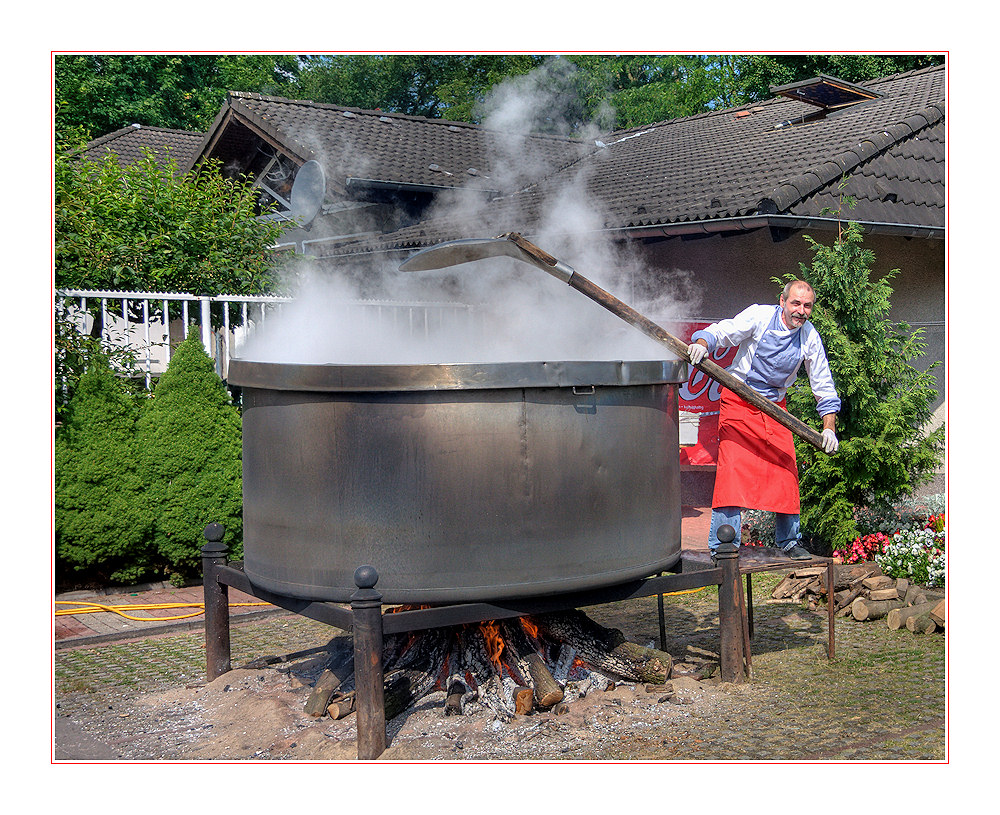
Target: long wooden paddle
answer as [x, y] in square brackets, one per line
[515, 246]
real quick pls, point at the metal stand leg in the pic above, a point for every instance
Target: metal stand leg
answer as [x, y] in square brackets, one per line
[366, 603]
[217, 645]
[745, 627]
[730, 612]
[830, 609]
[661, 613]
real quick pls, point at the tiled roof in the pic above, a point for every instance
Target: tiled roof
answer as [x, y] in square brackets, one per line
[757, 160]
[127, 144]
[389, 148]
[903, 184]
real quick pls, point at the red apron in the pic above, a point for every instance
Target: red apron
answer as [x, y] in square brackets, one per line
[756, 464]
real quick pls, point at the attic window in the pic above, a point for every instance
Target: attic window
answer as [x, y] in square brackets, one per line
[826, 93]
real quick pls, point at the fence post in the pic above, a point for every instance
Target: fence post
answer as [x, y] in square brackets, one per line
[206, 325]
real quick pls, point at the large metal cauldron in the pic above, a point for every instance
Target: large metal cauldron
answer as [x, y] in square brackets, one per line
[458, 482]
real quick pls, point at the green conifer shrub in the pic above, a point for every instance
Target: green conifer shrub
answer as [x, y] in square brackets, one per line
[190, 458]
[101, 523]
[885, 451]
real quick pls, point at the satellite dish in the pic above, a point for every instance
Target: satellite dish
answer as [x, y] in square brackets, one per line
[308, 192]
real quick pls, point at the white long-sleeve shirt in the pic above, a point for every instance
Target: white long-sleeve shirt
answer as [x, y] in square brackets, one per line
[770, 354]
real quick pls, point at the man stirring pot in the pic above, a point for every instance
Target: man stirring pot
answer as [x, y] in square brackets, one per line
[756, 464]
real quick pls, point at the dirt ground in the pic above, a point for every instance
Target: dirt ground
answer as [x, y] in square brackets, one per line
[259, 713]
[212, 723]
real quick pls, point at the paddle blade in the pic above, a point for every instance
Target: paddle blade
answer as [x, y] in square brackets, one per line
[453, 253]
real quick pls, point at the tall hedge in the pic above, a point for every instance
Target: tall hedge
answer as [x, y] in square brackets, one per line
[102, 527]
[189, 457]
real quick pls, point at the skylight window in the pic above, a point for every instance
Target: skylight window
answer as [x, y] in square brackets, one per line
[826, 92]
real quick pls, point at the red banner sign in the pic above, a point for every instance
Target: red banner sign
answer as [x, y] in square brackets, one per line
[699, 407]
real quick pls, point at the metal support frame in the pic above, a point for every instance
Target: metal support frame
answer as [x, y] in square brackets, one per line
[364, 618]
[831, 608]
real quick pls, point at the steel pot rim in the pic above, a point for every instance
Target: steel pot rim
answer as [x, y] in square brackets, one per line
[454, 376]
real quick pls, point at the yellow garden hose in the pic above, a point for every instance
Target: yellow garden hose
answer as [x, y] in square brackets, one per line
[88, 607]
[684, 591]
[93, 608]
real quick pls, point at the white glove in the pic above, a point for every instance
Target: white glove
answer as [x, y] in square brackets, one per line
[830, 443]
[697, 352]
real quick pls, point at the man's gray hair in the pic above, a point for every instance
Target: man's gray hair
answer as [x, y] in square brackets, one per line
[791, 284]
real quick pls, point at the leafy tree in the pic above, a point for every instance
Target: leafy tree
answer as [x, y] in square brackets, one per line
[104, 92]
[145, 227]
[885, 452]
[738, 79]
[644, 88]
[190, 459]
[434, 85]
[101, 520]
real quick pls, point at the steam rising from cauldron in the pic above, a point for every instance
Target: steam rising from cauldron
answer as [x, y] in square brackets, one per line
[498, 310]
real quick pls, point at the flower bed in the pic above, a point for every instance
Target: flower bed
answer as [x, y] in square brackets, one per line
[906, 541]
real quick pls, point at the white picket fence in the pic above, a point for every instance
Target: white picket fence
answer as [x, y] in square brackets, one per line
[142, 320]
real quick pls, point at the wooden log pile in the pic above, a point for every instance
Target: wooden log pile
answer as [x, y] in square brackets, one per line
[863, 593]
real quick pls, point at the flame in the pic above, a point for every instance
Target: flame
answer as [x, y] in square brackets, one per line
[530, 628]
[494, 642]
[396, 609]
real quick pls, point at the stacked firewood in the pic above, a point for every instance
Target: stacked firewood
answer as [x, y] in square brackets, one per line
[863, 593]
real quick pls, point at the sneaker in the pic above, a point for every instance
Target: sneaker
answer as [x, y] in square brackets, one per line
[715, 560]
[796, 552]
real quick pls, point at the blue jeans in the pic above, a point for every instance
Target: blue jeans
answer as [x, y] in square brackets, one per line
[786, 527]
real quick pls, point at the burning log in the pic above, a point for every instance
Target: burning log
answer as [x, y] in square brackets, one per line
[404, 687]
[606, 648]
[524, 701]
[510, 667]
[454, 703]
[567, 656]
[546, 690]
[414, 670]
